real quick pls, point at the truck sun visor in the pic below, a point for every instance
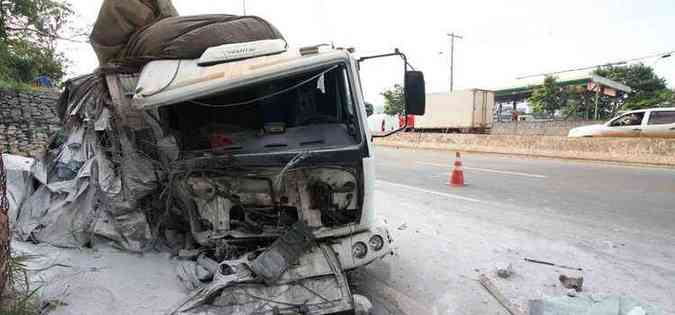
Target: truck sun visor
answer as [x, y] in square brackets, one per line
[231, 52]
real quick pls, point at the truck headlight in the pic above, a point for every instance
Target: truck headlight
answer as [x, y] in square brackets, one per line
[359, 250]
[376, 242]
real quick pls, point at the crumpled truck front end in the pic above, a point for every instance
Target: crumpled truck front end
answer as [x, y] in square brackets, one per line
[270, 181]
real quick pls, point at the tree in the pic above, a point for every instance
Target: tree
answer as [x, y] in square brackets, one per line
[370, 109]
[29, 30]
[549, 97]
[666, 98]
[394, 101]
[649, 90]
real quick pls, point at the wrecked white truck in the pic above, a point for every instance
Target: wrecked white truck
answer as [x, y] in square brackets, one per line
[250, 161]
[271, 172]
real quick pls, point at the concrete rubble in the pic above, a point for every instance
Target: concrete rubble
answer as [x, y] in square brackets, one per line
[504, 270]
[575, 282]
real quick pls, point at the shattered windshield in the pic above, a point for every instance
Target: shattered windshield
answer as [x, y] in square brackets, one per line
[306, 110]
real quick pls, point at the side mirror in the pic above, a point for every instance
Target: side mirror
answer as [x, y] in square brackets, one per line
[415, 94]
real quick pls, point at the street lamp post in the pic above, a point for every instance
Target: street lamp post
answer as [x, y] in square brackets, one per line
[243, 4]
[452, 58]
[664, 56]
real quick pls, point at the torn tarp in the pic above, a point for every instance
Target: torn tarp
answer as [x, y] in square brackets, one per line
[91, 185]
[59, 213]
[19, 182]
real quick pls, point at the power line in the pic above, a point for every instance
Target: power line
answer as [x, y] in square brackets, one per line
[618, 63]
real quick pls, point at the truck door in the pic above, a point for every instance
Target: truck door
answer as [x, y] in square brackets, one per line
[660, 123]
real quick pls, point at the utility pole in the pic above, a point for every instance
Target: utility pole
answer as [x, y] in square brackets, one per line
[243, 3]
[452, 58]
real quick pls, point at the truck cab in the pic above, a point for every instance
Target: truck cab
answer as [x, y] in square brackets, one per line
[270, 164]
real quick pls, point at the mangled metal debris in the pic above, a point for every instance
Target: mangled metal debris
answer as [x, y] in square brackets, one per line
[316, 285]
[284, 252]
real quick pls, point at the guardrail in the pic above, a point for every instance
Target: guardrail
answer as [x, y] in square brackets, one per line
[654, 151]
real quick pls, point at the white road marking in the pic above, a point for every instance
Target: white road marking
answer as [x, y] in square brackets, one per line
[431, 192]
[487, 170]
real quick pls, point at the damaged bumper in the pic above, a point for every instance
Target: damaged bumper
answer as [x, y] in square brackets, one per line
[315, 284]
[349, 249]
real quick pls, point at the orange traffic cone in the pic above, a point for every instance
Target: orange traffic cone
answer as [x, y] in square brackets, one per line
[457, 175]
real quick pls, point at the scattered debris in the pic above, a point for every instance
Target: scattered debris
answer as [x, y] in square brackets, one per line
[572, 293]
[575, 283]
[490, 287]
[551, 264]
[504, 270]
[589, 306]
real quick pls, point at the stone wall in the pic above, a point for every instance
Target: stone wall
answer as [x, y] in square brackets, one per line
[539, 128]
[26, 120]
[629, 150]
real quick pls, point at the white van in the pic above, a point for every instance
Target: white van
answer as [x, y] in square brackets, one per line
[654, 122]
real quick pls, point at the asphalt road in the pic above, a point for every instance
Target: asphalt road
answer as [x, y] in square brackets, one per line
[616, 222]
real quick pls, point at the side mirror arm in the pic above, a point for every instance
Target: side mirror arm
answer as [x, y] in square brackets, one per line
[406, 64]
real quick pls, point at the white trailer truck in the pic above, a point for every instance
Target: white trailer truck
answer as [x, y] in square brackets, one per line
[467, 111]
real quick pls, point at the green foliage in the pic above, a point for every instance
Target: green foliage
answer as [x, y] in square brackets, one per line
[29, 30]
[549, 97]
[394, 101]
[21, 61]
[370, 109]
[13, 85]
[666, 98]
[22, 305]
[20, 298]
[649, 89]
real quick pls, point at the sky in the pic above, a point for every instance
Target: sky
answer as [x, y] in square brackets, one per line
[502, 40]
